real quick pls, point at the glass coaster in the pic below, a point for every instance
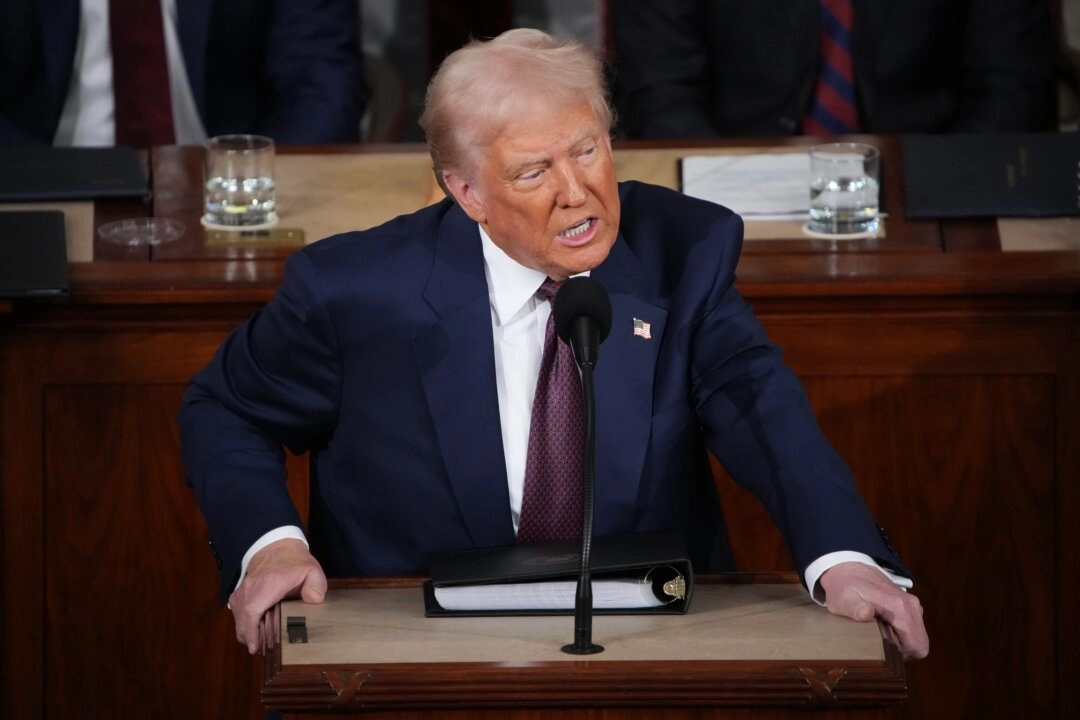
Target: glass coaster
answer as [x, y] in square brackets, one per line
[876, 232]
[260, 226]
[141, 231]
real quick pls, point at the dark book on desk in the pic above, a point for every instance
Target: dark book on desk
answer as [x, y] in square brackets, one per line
[631, 574]
[33, 254]
[66, 173]
[992, 175]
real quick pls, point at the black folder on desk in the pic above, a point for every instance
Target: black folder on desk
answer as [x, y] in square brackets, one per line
[70, 173]
[992, 175]
[33, 254]
[657, 561]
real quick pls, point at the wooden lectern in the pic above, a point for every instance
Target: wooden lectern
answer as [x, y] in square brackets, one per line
[754, 645]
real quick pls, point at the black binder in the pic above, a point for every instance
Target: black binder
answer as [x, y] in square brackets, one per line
[70, 173]
[33, 254]
[992, 175]
[658, 557]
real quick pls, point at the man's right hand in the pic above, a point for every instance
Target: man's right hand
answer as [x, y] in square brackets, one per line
[284, 569]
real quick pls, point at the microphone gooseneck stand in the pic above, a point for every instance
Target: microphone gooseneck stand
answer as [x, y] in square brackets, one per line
[582, 314]
[583, 644]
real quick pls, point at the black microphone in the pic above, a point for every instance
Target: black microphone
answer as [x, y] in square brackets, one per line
[582, 315]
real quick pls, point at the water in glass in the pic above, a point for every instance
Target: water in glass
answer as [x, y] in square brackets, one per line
[842, 205]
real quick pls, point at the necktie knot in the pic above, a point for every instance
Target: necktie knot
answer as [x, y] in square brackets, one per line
[549, 289]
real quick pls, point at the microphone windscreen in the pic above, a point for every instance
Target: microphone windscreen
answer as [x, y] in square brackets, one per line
[581, 297]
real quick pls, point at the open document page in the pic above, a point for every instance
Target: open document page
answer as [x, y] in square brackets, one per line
[774, 186]
[613, 594]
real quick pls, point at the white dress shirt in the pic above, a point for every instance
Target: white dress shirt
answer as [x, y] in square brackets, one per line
[88, 117]
[519, 323]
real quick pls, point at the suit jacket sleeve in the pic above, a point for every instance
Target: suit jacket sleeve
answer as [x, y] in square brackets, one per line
[274, 381]
[662, 83]
[314, 73]
[761, 427]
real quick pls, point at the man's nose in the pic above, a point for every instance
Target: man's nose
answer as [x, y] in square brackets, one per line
[571, 189]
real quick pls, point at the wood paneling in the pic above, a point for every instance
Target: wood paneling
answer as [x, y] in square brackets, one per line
[111, 603]
[129, 543]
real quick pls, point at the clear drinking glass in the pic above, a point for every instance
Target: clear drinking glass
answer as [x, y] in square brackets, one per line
[844, 180]
[240, 182]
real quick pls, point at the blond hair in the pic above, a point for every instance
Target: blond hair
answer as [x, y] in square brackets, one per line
[481, 86]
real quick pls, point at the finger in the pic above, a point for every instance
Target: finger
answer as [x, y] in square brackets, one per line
[268, 632]
[852, 604]
[906, 620]
[264, 633]
[271, 628]
[862, 611]
[247, 614]
[242, 627]
[913, 640]
[274, 626]
[314, 588]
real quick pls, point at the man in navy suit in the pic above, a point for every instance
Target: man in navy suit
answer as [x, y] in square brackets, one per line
[403, 358]
[290, 70]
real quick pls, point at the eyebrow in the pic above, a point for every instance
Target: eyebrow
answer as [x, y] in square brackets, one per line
[545, 160]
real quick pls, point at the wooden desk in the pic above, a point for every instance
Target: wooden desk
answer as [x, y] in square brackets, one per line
[747, 642]
[948, 379]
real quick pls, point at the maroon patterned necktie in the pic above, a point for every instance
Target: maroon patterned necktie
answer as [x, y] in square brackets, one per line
[833, 111]
[140, 74]
[551, 497]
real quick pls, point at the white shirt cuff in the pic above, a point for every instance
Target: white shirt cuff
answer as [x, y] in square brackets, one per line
[817, 568]
[282, 533]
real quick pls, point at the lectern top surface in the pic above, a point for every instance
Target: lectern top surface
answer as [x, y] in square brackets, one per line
[769, 622]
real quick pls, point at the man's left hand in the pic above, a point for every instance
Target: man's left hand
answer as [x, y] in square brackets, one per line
[862, 593]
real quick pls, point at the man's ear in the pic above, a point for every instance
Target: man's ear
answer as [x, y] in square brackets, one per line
[465, 194]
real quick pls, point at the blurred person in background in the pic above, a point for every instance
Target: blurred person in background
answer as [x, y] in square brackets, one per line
[131, 72]
[697, 68]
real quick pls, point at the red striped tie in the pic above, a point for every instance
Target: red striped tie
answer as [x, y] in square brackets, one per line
[140, 74]
[551, 496]
[833, 110]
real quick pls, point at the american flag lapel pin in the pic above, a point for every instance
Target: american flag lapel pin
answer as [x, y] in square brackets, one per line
[642, 329]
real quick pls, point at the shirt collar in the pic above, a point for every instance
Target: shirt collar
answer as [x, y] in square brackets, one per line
[511, 285]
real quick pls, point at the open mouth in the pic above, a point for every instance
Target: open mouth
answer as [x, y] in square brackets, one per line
[578, 230]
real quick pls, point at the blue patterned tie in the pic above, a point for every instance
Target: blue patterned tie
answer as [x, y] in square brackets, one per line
[833, 111]
[551, 496]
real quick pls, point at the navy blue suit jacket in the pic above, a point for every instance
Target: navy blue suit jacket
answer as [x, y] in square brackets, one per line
[376, 355]
[290, 70]
[708, 68]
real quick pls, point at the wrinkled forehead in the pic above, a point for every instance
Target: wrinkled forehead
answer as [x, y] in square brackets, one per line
[535, 126]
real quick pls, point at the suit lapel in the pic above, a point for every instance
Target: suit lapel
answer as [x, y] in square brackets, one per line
[866, 40]
[457, 367]
[192, 28]
[803, 20]
[60, 29]
[624, 389]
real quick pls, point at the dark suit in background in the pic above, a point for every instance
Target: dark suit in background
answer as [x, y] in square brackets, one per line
[704, 68]
[377, 355]
[291, 70]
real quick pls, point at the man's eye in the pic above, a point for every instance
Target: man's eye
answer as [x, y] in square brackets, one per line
[532, 175]
[587, 151]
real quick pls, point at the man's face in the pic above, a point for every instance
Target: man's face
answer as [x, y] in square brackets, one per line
[544, 190]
